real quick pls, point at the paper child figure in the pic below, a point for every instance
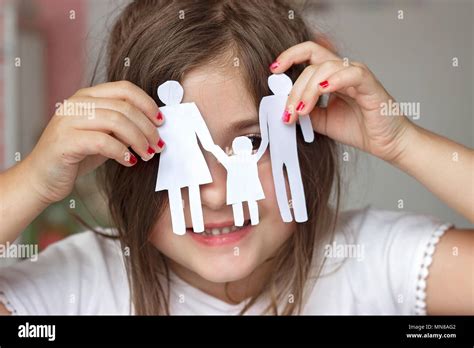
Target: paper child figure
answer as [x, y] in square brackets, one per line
[243, 184]
[283, 149]
[182, 163]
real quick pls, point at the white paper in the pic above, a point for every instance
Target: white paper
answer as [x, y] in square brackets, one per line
[283, 147]
[243, 183]
[182, 162]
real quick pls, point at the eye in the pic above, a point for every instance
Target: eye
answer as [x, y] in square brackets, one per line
[256, 139]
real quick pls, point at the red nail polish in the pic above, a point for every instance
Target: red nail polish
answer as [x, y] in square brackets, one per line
[159, 116]
[150, 150]
[274, 65]
[300, 106]
[286, 116]
[133, 159]
[161, 143]
[324, 84]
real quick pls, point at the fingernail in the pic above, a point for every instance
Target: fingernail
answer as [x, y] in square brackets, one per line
[300, 106]
[324, 84]
[274, 65]
[161, 143]
[159, 116]
[132, 160]
[286, 116]
[150, 150]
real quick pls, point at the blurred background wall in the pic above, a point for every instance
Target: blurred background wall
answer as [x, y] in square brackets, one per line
[411, 46]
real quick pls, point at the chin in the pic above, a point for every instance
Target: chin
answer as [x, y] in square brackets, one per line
[217, 259]
[226, 268]
[229, 257]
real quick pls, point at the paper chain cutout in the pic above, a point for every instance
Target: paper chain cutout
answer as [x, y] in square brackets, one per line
[182, 163]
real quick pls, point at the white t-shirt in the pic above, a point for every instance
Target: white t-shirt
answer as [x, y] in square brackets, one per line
[377, 264]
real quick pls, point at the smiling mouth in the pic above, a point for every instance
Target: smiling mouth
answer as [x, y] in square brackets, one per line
[221, 235]
[219, 231]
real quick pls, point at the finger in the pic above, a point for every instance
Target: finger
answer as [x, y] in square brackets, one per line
[91, 143]
[111, 121]
[308, 51]
[131, 112]
[89, 163]
[351, 81]
[318, 117]
[306, 96]
[331, 126]
[125, 90]
[290, 115]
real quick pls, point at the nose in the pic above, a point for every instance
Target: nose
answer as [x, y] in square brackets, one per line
[213, 195]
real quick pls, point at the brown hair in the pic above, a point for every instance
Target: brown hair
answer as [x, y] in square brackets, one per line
[165, 39]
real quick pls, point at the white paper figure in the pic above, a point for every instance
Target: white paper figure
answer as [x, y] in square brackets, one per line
[182, 163]
[243, 184]
[283, 147]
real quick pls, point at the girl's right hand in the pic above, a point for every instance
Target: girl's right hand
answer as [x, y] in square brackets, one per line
[95, 124]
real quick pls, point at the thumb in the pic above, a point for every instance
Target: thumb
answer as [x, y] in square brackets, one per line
[319, 120]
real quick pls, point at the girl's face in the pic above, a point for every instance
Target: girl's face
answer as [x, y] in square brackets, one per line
[229, 112]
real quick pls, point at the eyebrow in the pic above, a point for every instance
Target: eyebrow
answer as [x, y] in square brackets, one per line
[242, 125]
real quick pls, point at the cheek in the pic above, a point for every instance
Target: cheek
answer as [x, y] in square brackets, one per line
[177, 248]
[162, 236]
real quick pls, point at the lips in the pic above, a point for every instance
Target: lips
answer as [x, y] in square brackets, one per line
[221, 234]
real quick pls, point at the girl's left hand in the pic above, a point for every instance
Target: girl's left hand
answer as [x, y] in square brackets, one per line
[352, 115]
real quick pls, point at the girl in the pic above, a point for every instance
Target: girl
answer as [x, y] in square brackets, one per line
[391, 262]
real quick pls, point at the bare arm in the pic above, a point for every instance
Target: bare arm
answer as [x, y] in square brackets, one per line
[441, 165]
[450, 284]
[201, 129]
[20, 203]
[446, 169]
[220, 155]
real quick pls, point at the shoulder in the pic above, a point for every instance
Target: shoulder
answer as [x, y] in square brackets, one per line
[79, 275]
[87, 249]
[104, 241]
[378, 259]
[376, 227]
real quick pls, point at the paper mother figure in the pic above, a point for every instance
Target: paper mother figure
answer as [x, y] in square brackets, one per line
[182, 162]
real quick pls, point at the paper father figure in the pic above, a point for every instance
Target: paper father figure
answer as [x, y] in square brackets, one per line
[283, 149]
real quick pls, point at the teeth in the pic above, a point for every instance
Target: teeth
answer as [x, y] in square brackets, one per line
[219, 231]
